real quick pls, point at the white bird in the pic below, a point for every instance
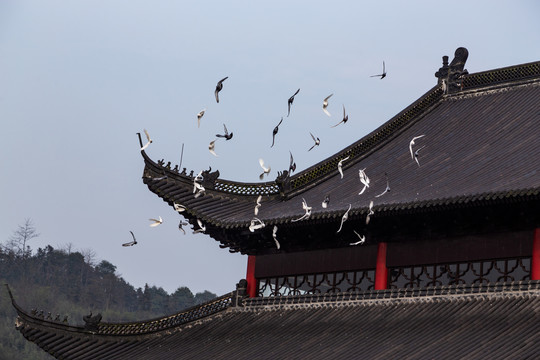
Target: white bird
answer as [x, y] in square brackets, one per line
[256, 211]
[266, 170]
[201, 191]
[387, 187]
[256, 224]
[326, 201]
[325, 104]
[364, 180]
[307, 210]
[199, 116]
[198, 177]
[340, 164]
[179, 208]
[362, 239]
[344, 218]
[156, 222]
[211, 147]
[416, 154]
[197, 187]
[412, 143]
[149, 140]
[201, 228]
[368, 216]
[274, 235]
[317, 141]
[131, 243]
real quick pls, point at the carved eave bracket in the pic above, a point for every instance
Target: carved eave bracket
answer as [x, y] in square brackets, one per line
[451, 75]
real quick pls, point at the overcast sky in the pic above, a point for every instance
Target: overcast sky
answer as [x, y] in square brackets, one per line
[78, 80]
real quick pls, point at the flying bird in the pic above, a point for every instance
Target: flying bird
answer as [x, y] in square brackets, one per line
[227, 136]
[317, 141]
[290, 101]
[266, 170]
[179, 208]
[181, 226]
[340, 164]
[383, 75]
[199, 116]
[211, 148]
[326, 201]
[325, 104]
[387, 187]
[364, 180]
[256, 211]
[156, 222]
[362, 239]
[219, 86]
[256, 224]
[416, 154]
[344, 218]
[201, 228]
[370, 212]
[131, 243]
[345, 118]
[292, 164]
[149, 140]
[274, 235]
[412, 143]
[275, 131]
[307, 209]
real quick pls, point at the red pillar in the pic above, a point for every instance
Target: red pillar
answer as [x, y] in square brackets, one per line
[535, 261]
[250, 277]
[381, 272]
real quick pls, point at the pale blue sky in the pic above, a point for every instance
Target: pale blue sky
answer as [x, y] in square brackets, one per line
[78, 79]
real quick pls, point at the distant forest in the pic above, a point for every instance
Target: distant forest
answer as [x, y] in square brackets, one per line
[72, 283]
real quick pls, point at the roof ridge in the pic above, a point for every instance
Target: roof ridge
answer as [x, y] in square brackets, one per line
[391, 296]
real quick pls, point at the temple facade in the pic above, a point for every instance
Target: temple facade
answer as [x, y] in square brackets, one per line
[419, 240]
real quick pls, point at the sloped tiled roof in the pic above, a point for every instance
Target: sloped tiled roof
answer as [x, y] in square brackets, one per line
[497, 321]
[481, 148]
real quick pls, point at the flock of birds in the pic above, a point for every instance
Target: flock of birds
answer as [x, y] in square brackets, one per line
[256, 223]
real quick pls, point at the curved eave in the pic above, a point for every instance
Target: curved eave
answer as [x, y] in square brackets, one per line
[31, 323]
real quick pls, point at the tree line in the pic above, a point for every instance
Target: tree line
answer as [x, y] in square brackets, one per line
[71, 283]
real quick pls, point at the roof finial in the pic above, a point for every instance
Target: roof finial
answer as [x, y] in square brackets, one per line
[453, 73]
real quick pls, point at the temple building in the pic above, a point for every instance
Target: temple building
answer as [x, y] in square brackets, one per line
[420, 240]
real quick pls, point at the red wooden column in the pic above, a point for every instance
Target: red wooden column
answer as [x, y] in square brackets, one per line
[250, 277]
[381, 271]
[535, 261]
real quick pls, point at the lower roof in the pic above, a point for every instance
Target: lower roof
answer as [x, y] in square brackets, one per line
[497, 321]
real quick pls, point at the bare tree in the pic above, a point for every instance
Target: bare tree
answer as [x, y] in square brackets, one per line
[18, 241]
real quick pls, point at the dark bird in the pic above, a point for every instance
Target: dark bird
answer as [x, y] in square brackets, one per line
[131, 243]
[345, 118]
[219, 86]
[383, 75]
[181, 226]
[227, 136]
[292, 165]
[317, 141]
[275, 131]
[416, 154]
[290, 101]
